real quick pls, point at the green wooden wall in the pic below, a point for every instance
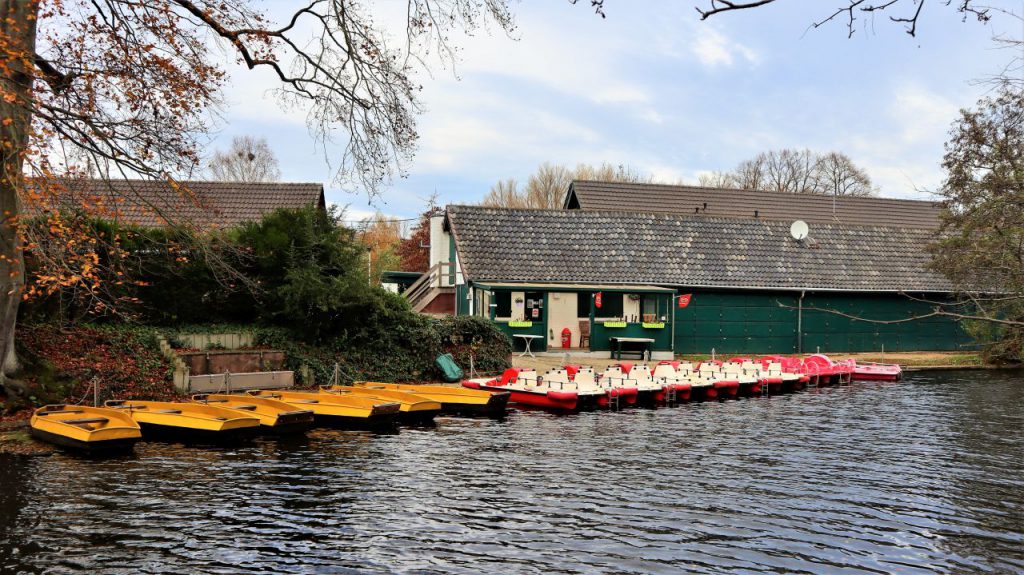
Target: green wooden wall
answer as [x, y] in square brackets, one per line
[599, 335]
[755, 322]
[462, 299]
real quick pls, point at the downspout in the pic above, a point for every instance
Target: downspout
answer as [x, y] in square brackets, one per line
[800, 323]
[672, 316]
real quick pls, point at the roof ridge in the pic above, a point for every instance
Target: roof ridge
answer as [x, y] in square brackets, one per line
[747, 190]
[184, 182]
[678, 215]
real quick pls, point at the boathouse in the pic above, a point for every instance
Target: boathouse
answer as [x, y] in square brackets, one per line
[617, 260]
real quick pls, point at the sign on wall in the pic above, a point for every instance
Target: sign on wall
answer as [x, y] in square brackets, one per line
[684, 300]
[597, 300]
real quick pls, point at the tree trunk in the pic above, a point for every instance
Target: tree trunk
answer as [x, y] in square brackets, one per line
[18, 30]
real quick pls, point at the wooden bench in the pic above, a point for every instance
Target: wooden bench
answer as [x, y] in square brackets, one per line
[616, 344]
[86, 420]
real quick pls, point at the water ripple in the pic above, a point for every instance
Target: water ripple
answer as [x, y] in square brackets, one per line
[925, 476]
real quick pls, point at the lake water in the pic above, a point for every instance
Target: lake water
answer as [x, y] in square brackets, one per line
[922, 476]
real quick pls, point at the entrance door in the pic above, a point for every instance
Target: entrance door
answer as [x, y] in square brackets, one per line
[562, 314]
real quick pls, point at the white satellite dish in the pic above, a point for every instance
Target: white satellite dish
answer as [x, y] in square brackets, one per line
[799, 230]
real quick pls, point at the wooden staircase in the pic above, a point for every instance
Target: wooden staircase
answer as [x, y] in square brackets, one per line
[437, 282]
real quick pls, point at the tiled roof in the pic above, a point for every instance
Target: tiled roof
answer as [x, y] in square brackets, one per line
[726, 203]
[516, 245]
[151, 203]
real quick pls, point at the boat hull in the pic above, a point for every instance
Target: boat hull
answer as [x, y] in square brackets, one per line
[727, 389]
[551, 400]
[181, 434]
[872, 373]
[419, 417]
[287, 428]
[106, 446]
[459, 401]
[875, 377]
[275, 417]
[650, 397]
[496, 406]
[414, 409]
[372, 422]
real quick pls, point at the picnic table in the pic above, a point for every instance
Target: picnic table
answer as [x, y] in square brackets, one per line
[617, 341]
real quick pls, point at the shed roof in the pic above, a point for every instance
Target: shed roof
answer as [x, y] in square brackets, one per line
[605, 247]
[732, 203]
[152, 203]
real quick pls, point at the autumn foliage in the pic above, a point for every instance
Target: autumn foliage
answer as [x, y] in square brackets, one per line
[116, 89]
[414, 251]
[125, 362]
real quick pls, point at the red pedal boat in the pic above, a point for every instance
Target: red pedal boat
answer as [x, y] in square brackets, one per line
[877, 372]
[827, 371]
[527, 389]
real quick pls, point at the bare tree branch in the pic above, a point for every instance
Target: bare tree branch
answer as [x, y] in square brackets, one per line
[936, 312]
[854, 7]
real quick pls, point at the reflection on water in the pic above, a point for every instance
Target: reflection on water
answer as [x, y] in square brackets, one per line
[924, 476]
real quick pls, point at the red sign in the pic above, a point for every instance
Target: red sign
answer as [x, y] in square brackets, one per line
[684, 300]
[597, 300]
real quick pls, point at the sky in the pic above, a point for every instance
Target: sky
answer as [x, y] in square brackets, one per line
[652, 87]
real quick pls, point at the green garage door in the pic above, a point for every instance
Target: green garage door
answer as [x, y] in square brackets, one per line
[733, 322]
[736, 323]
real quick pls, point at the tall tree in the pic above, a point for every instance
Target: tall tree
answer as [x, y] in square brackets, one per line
[414, 250]
[835, 174]
[797, 172]
[249, 159]
[125, 87]
[546, 187]
[715, 179]
[981, 245]
[381, 235]
[505, 194]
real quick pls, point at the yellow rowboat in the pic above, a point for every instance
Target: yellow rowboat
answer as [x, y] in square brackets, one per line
[188, 422]
[88, 429]
[276, 417]
[413, 409]
[344, 411]
[453, 400]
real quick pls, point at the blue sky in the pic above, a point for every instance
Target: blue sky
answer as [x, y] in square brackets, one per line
[653, 87]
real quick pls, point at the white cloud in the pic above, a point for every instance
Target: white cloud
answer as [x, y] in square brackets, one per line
[714, 49]
[903, 153]
[621, 94]
[666, 94]
[711, 49]
[922, 115]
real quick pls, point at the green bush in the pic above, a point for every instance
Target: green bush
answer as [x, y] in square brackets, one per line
[310, 297]
[397, 349]
[465, 335]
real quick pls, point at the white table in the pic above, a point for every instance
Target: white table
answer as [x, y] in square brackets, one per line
[527, 339]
